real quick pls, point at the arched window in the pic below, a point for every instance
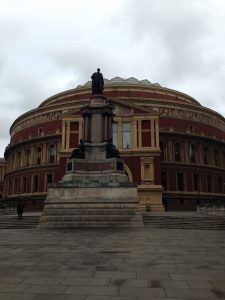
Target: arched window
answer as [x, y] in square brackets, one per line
[126, 135]
[52, 154]
[38, 153]
[205, 155]
[40, 131]
[27, 158]
[162, 150]
[216, 158]
[177, 152]
[18, 159]
[192, 150]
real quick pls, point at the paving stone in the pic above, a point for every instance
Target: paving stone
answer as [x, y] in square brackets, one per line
[12, 287]
[110, 298]
[139, 291]
[200, 284]
[126, 275]
[112, 264]
[86, 281]
[189, 277]
[218, 284]
[10, 296]
[92, 290]
[58, 297]
[46, 289]
[153, 276]
[74, 273]
[130, 282]
[172, 284]
[11, 279]
[42, 280]
[189, 293]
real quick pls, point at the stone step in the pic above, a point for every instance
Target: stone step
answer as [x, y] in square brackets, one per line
[197, 222]
[99, 205]
[12, 222]
[93, 224]
[87, 218]
[88, 211]
[88, 199]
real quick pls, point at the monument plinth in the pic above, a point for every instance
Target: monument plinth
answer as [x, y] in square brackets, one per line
[95, 191]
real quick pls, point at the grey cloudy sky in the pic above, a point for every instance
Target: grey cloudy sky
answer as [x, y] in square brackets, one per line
[53, 45]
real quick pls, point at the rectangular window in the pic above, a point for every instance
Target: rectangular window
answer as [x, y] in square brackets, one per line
[220, 185]
[15, 186]
[216, 154]
[115, 134]
[180, 181]
[126, 135]
[209, 183]
[196, 182]
[24, 184]
[35, 183]
[146, 133]
[49, 180]
[164, 180]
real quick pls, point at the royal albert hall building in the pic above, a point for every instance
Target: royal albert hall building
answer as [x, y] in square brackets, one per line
[172, 146]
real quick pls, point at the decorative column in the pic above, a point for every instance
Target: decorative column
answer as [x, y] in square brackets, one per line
[45, 154]
[157, 133]
[134, 133]
[68, 135]
[170, 151]
[120, 134]
[139, 134]
[153, 133]
[32, 155]
[63, 134]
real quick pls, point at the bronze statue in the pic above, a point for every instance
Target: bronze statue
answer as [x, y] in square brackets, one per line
[97, 83]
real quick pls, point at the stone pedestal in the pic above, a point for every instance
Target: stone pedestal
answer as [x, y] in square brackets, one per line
[95, 191]
[70, 207]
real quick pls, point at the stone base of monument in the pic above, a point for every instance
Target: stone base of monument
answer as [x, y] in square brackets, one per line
[68, 206]
[95, 191]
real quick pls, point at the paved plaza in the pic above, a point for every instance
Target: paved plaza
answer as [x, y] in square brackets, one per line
[106, 264]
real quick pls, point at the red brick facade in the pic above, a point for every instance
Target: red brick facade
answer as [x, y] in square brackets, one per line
[184, 141]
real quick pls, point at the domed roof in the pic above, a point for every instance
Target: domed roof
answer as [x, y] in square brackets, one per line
[119, 80]
[132, 84]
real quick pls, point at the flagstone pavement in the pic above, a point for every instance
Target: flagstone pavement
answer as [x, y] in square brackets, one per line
[107, 264]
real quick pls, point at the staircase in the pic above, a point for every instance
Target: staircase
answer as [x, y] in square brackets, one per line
[83, 207]
[184, 221]
[98, 214]
[12, 222]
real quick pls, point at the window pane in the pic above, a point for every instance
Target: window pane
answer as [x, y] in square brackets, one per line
[24, 184]
[196, 182]
[209, 183]
[192, 153]
[52, 154]
[126, 126]
[162, 151]
[126, 135]
[180, 181]
[177, 152]
[35, 183]
[220, 185]
[114, 135]
[164, 180]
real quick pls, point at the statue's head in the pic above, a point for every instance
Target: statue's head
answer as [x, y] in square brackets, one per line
[98, 70]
